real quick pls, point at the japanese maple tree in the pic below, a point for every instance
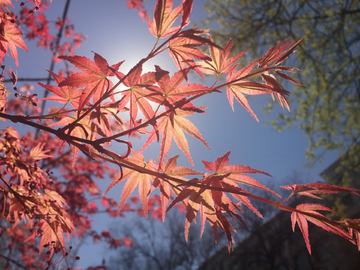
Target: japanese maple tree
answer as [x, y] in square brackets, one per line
[48, 178]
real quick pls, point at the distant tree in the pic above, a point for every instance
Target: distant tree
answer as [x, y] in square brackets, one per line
[329, 59]
[155, 245]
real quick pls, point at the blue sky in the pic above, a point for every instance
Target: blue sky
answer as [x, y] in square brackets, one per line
[117, 33]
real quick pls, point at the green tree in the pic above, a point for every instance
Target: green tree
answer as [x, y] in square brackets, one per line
[328, 108]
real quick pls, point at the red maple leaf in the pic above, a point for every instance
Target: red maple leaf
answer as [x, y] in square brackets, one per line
[183, 49]
[307, 212]
[354, 228]
[172, 94]
[63, 94]
[171, 90]
[11, 36]
[172, 127]
[230, 176]
[219, 62]
[201, 199]
[93, 78]
[168, 186]
[319, 188]
[139, 89]
[279, 91]
[236, 87]
[38, 153]
[134, 178]
[208, 195]
[164, 17]
[279, 53]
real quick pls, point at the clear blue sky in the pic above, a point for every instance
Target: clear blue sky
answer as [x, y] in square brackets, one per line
[117, 33]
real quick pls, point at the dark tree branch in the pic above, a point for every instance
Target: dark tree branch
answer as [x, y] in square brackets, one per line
[30, 80]
[58, 38]
[12, 261]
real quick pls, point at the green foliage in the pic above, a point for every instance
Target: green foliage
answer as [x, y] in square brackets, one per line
[328, 108]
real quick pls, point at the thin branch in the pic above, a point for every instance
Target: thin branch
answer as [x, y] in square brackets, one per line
[12, 261]
[30, 80]
[58, 38]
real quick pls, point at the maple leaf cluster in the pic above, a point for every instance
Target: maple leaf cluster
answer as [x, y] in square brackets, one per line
[137, 4]
[49, 179]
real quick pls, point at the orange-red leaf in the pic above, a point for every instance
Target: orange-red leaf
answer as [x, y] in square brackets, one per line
[164, 17]
[94, 77]
[187, 7]
[307, 212]
[171, 169]
[139, 85]
[279, 53]
[233, 174]
[171, 90]
[183, 50]
[219, 63]
[38, 153]
[63, 94]
[318, 188]
[12, 37]
[237, 88]
[134, 178]
[172, 127]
